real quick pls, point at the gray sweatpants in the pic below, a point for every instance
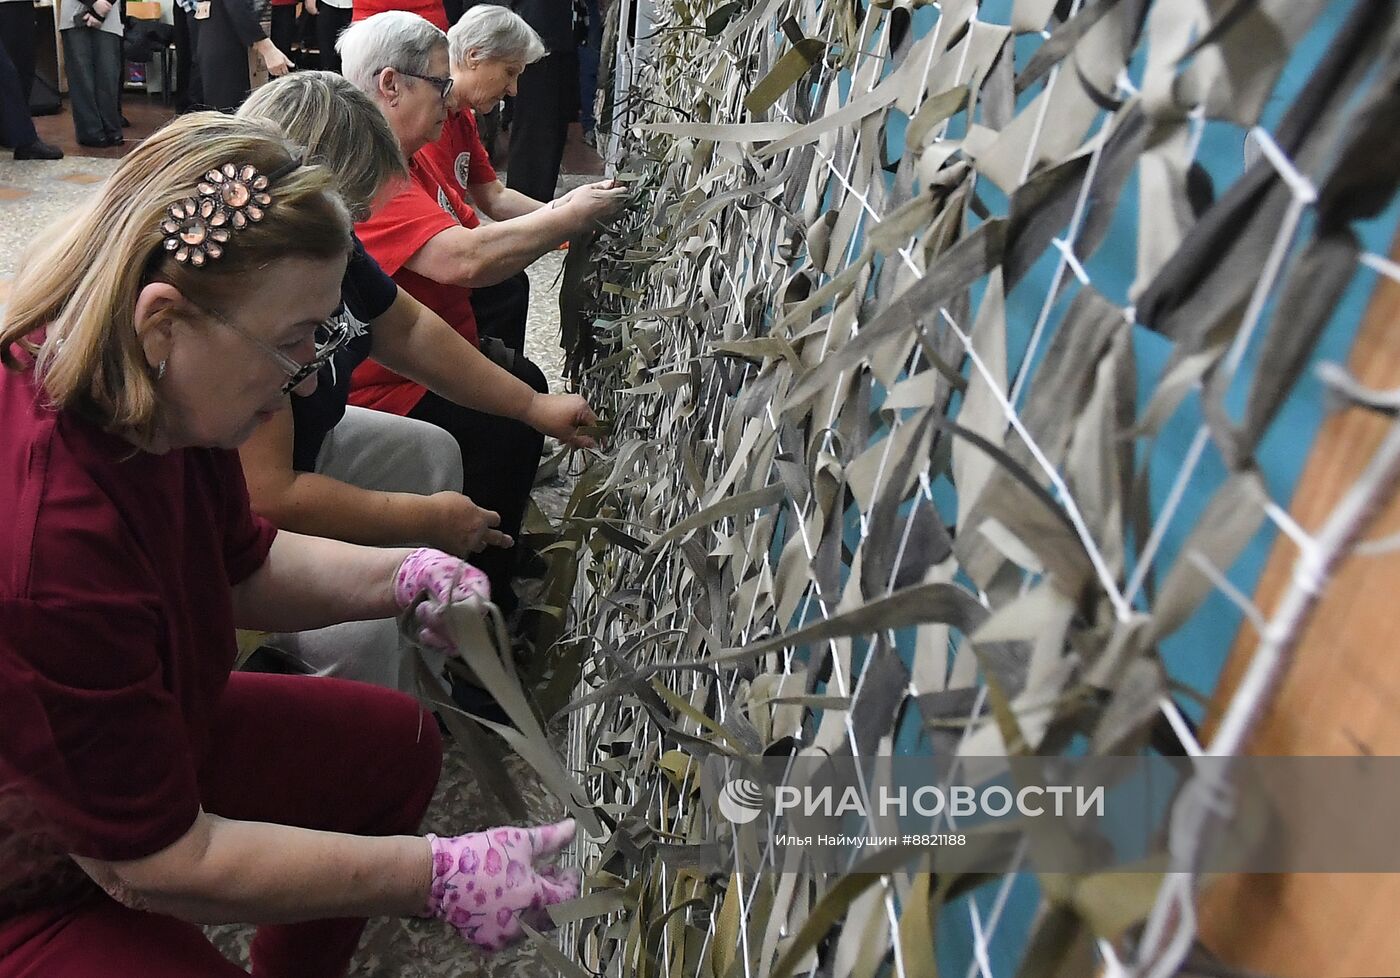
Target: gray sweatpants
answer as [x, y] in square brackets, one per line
[386, 453]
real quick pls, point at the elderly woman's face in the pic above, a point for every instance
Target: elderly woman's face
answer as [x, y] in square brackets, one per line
[480, 83]
[420, 110]
[222, 379]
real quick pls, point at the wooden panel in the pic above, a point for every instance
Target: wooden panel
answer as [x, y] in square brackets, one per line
[143, 9]
[1341, 696]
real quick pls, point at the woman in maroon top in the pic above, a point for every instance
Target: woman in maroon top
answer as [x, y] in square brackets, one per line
[144, 789]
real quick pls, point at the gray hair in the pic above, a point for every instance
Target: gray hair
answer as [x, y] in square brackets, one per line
[341, 128]
[394, 39]
[498, 33]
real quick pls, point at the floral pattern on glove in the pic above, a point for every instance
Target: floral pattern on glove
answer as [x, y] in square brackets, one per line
[486, 883]
[441, 580]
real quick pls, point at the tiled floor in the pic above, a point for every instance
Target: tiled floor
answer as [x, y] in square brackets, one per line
[34, 194]
[145, 115]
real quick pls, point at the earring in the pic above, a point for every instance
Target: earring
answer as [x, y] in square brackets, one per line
[160, 370]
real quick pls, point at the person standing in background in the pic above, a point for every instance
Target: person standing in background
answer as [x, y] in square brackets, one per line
[224, 31]
[17, 26]
[332, 17]
[284, 25]
[188, 92]
[589, 55]
[16, 125]
[546, 100]
[92, 55]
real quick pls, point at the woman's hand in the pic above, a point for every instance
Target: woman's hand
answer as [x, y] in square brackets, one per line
[310, 7]
[460, 526]
[594, 202]
[277, 63]
[441, 580]
[561, 415]
[485, 883]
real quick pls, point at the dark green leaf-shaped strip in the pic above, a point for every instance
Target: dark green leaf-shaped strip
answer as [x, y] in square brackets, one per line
[918, 605]
[1306, 305]
[762, 348]
[720, 17]
[479, 649]
[1061, 43]
[744, 502]
[595, 904]
[831, 908]
[1233, 516]
[956, 269]
[790, 67]
[484, 758]
[549, 950]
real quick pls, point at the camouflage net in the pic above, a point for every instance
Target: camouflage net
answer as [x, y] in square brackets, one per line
[955, 359]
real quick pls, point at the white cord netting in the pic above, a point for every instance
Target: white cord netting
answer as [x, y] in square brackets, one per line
[1020, 300]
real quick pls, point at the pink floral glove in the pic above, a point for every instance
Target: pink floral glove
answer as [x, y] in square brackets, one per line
[445, 580]
[485, 883]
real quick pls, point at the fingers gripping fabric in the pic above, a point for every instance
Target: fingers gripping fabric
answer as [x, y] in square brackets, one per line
[440, 580]
[486, 883]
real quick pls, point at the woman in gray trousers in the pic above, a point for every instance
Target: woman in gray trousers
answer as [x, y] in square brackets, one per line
[92, 57]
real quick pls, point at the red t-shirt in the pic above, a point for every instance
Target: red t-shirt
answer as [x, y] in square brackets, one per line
[432, 11]
[434, 200]
[116, 623]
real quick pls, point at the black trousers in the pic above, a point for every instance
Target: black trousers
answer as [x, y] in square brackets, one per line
[16, 124]
[188, 91]
[546, 101]
[284, 28]
[501, 310]
[499, 459]
[17, 26]
[222, 64]
[330, 21]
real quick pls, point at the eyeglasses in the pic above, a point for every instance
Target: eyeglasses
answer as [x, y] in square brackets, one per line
[330, 336]
[441, 83]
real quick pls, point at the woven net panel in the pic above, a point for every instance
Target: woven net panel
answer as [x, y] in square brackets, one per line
[955, 362]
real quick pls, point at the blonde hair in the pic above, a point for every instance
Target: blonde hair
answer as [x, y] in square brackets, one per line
[341, 128]
[80, 284]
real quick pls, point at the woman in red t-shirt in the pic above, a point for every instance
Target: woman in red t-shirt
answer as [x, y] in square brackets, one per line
[143, 788]
[429, 239]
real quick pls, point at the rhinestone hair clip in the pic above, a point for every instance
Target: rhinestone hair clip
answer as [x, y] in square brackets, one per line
[228, 199]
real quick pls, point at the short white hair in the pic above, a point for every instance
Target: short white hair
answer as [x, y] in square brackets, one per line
[394, 39]
[498, 33]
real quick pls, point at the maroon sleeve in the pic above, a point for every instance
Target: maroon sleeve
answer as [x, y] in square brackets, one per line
[91, 738]
[247, 536]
